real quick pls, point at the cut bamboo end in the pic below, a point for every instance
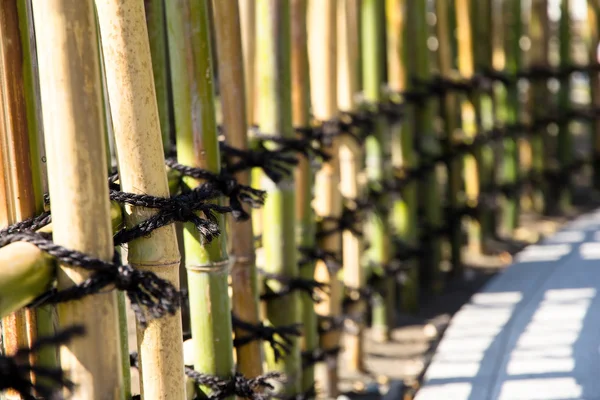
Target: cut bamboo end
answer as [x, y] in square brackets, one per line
[137, 132]
[27, 272]
[69, 75]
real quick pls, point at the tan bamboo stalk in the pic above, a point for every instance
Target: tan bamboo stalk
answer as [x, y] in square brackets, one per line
[19, 165]
[593, 36]
[305, 216]
[564, 139]
[351, 166]
[275, 116]
[450, 112]
[404, 211]
[233, 94]
[469, 123]
[322, 19]
[137, 134]
[248, 28]
[71, 94]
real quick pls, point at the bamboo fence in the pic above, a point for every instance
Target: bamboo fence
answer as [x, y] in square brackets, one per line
[333, 165]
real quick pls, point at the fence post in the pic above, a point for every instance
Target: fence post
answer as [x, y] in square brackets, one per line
[564, 142]
[78, 190]
[232, 88]
[129, 78]
[351, 168]
[305, 216]
[274, 116]
[593, 22]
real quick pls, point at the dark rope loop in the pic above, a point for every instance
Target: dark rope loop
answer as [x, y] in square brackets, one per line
[311, 287]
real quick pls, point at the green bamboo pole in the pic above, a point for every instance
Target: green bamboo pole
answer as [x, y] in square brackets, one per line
[564, 143]
[23, 173]
[197, 146]
[449, 110]
[232, 88]
[404, 209]
[275, 115]
[351, 167]
[481, 24]
[511, 12]
[372, 33]
[322, 45]
[155, 20]
[593, 37]
[304, 178]
[419, 67]
[80, 206]
[248, 27]
[539, 33]
[134, 111]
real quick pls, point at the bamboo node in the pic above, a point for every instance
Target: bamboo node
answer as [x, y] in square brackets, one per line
[215, 267]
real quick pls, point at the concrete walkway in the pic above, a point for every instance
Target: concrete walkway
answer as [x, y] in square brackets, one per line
[533, 332]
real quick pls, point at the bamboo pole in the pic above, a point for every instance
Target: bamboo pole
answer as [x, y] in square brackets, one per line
[404, 209]
[78, 191]
[351, 167]
[248, 28]
[304, 178]
[511, 11]
[373, 57]
[322, 52]
[469, 123]
[137, 134]
[450, 113]
[157, 31]
[539, 31]
[233, 94]
[275, 116]
[20, 164]
[593, 36]
[197, 146]
[564, 142]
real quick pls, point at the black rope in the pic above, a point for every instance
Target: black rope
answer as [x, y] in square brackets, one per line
[226, 184]
[15, 370]
[311, 287]
[150, 295]
[237, 385]
[280, 338]
[311, 254]
[312, 357]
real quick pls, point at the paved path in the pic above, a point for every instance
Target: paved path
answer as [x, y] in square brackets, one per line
[533, 332]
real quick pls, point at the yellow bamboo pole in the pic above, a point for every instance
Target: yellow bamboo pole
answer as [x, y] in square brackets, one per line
[130, 83]
[322, 48]
[248, 28]
[71, 94]
[232, 88]
[351, 166]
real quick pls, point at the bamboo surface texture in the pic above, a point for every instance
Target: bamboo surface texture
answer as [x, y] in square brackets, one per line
[78, 190]
[133, 106]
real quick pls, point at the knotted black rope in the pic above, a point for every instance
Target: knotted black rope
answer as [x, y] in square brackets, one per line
[226, 184]
[149, 295]
[182, 207]
[280, 338]
[311, 287]
[329, 323]
[311, 254]
[347, 221]
[312, 357]
[31, 224]
[15, 370]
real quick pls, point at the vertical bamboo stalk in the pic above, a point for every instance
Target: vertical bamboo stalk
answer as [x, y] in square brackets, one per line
[564, 144]
[275, 115]
[404, 211]
[373, 58]
[18, 143]
[155, 20]
[133, 106]
[233, 94]
[305, 216]
[469, 123]
[322, 29]
[351, 166]
[510, 159]
[539, 31]
[248, 27]
[78, 191]
[593, 23]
